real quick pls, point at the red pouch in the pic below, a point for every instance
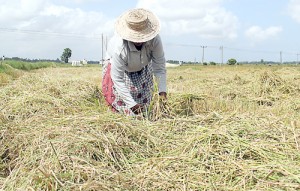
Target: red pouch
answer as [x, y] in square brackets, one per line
[107, 86]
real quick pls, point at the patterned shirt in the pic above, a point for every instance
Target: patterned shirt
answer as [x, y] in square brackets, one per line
[124, 56]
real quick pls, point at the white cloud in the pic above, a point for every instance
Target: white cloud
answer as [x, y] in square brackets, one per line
[60, 18]
[44, 16]
[20, 10]
[82, 1]
[44, 28]
[205, 18]
[258, 34]
[294, 9]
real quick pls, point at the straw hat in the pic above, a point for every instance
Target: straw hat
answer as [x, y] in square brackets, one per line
[137, 25]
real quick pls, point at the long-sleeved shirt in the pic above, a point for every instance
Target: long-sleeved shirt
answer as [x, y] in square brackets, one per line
[124, 56]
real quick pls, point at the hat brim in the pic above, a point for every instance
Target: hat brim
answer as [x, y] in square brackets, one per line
[147, 34]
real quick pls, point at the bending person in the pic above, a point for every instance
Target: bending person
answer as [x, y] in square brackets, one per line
[134, 54]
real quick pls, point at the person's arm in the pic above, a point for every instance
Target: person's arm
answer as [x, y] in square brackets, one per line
[159, 65]
[117, 75]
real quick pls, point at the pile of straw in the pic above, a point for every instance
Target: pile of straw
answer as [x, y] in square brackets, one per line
[57, 134]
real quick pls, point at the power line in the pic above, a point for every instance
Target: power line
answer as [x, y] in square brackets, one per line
[228, 48]
[222, 48]
[232, 48]
[100, 37]
[189, 45]
[249, 50]
[45, 33]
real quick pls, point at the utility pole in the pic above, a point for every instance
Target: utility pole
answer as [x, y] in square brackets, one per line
[297, 59]
[106, 44]
[102, 49]
[203, 53]
[280, 57]
[222, 51]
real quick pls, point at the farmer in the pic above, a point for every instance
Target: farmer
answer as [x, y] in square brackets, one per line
[134, 54]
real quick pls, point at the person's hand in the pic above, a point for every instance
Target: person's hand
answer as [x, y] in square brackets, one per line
[163, 95]
[137, 109]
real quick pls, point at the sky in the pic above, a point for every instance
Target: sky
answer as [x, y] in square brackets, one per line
[191, 30]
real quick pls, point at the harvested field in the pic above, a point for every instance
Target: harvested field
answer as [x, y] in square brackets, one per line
[222, 128]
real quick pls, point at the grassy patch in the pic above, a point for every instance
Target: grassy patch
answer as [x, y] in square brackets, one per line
[8, 73]
[28, 65]
[11, 69]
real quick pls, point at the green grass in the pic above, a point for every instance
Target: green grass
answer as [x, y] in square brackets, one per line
[8, 73]
[27, 66]
[11, 69]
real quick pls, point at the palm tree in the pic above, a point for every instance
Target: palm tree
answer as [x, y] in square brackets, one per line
[66, 55]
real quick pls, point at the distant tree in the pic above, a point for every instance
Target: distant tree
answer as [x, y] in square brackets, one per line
[212, 63]
[232, 61]
[66, 55]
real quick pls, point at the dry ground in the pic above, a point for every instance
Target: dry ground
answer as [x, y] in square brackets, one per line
[223, 128]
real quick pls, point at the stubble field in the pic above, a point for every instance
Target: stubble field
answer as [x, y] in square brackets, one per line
[222, 128]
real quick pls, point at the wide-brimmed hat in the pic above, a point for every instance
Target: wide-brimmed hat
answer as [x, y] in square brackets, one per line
[137, 25]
